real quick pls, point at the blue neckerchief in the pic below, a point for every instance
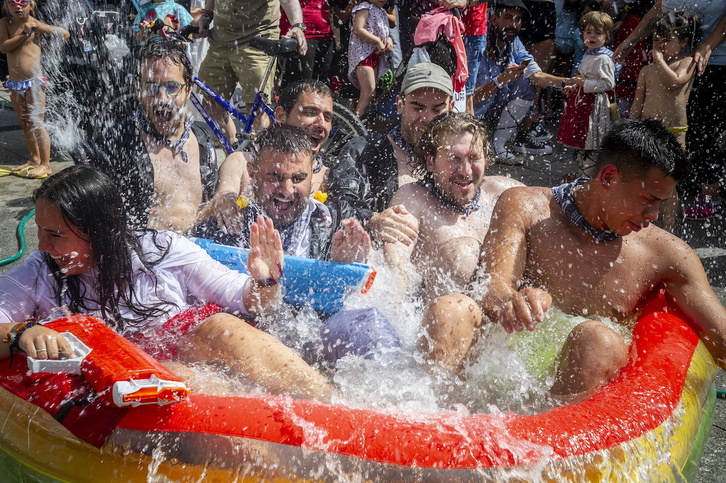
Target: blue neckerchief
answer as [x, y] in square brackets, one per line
[563, 196]
[475, 204]
[397, 137]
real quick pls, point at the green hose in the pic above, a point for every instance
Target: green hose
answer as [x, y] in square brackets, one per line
[21, 240]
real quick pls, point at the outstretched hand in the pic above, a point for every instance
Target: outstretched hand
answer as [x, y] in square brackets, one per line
[351, 244]
[266, 258]
[525, 309]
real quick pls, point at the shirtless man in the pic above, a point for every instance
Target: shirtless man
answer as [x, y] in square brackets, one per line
[281, 181]
[451, 204]
[308, 105]
[164, 166]
[588, 247]
[371, 168]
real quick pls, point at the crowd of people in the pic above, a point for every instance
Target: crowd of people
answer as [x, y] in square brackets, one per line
[112, 231]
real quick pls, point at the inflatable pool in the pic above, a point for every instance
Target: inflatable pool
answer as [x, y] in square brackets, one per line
[647, 425]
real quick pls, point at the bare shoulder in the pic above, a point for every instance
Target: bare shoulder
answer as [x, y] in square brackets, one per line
[526, 196]
[500, 183]
[412, 196]
[684, 62]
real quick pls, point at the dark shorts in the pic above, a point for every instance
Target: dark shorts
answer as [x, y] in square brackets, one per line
[541, 25]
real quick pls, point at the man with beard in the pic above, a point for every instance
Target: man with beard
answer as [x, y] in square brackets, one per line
[505, 84]
[164, 165]
[371, 168]
[451, 203]
[587, 247]
[281, 179]
[306, 104]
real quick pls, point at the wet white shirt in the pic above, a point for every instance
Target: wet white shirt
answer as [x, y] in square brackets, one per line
[186, 276]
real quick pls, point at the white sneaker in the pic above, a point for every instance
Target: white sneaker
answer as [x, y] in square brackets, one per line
[509, 159]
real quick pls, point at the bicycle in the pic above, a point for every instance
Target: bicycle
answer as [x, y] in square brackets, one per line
[346, 124]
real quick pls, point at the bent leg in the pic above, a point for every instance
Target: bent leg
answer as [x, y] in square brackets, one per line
[450, 322]
[593, 354]
[256, 355]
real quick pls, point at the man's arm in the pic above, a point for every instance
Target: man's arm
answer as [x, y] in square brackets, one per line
[705, 48]
[636, 109]
[294, 15]
[510, 74]
[233, 175]
[504, 259]
[391, 223]
[543, 79]
[691, 292]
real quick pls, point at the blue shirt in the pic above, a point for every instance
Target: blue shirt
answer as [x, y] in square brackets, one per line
[493, 65]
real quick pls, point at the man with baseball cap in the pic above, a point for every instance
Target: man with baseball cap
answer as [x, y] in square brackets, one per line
[506, 82]
[371, 168]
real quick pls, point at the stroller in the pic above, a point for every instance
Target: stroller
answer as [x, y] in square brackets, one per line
[381, 115]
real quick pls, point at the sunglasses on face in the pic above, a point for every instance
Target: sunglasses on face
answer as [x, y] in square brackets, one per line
[18, 3]
[171, 89]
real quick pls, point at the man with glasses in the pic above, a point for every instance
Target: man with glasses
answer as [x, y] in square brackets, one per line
[164, 165]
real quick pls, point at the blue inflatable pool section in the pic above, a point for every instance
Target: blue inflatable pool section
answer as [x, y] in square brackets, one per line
[306, 281]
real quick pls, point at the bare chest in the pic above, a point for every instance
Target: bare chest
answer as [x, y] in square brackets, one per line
[585, 278]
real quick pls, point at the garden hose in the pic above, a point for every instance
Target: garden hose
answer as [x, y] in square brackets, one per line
[21, 240]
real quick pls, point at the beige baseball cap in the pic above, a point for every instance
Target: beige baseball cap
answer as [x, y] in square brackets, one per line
[427, 74]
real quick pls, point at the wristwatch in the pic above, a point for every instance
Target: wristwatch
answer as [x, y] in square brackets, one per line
[299, 25]
[496, 82]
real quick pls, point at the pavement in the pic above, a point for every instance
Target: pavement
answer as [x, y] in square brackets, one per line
[707, 237]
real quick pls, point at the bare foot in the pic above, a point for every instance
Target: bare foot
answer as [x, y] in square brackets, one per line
[34, 172]
[29, 164]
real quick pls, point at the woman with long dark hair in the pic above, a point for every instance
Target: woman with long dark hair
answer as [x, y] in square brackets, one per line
[156, 288]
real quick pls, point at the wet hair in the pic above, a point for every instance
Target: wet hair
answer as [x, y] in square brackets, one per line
[282, 138]
[599, 20]
[290, 94]
[91, 203]
[33, 7]
[678, 25]
[432, 140]
[168, 49]
[636, 145]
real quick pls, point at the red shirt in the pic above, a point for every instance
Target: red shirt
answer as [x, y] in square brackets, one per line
[475, 20]
[316, 17]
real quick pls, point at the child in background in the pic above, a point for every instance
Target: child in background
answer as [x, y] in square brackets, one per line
[665, 85]
[19, 35]
[174, 16]
[369, 41]
[586, 118]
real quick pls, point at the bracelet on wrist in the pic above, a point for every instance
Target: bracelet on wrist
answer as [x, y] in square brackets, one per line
[299, 25]
[13, 335]
[269, 282]
[207, 13]
[497, 84]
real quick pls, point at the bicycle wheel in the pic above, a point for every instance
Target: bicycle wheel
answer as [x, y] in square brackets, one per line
[346, 126]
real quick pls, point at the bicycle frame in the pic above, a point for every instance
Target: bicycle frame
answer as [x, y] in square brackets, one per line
[260, 103]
